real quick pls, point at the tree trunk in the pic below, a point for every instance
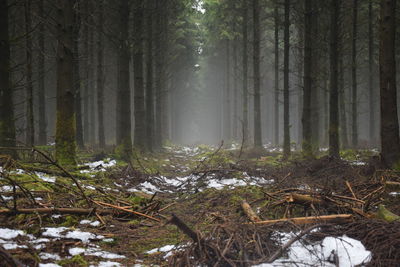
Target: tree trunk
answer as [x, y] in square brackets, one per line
[100, 77]
[286, 118]
[245, 126]
[139, 109]
[124, 139]
[387, 69]
[308, 59]
[149, 77]
[227, 100]
[41, 78]
[7, 127]
[65, 124]
[354, 133]
[276, 89]
[334, 91]
[371, 77]
[91, 94]
[30, 129]
[77, 82]
[256, 69]
[235, 90]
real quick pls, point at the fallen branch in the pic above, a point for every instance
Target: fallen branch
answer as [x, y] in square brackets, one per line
[9, 260]
[184, 228]
[126, 210]
[249, 212]
[76, 211]
[337, 218]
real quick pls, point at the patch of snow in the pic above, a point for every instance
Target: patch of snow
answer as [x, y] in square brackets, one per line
[95, 223]
[349, 252]
[108, 240]
[358, 163]
[83, 236]
[100, 165]
[7, 198]
[49, 256]
[9, 246]
[95, 252]
[6, 233]
[6, 188]
[54, 231]
[166, 248]
[48, 265]
[45, 177]
[394, 193]
[107, 264]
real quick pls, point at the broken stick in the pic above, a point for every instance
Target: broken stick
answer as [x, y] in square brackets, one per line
[250, 212]
[337, 218]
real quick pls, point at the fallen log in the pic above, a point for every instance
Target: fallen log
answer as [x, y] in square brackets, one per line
[250, 212]
[73, 211]
[337, 218]
[303, 199]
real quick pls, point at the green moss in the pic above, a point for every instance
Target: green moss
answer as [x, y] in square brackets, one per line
[70, 221]
[76, 260]
[65, 139]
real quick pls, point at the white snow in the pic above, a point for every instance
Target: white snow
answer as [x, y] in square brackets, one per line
[49, 256]
[6, 233]
[75, 234]
[54, 232]
[348, 251]
[6, 188]
[107, 264]
[95, 252]
[394, 193]
[48, 265]
[100, 165]
[94, 224]
[45, 177]
[166, 248]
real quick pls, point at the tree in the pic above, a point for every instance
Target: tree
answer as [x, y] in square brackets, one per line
[123, 112]
[334, 91]
[245, 40]
[100, 76]
[354, 112]
[256, 70]
[390, 143]
[276, 69]
[65, 124]
[308, 59]
[139, 101]
[149, 76]
[7, 127]
[371, 76]
[30, 129]
[286, 118]
[42, 140]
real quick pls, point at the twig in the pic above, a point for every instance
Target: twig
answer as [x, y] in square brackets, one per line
[126, 210]
[9, 260]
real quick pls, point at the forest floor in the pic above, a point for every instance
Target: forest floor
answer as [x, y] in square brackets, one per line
[150, 211]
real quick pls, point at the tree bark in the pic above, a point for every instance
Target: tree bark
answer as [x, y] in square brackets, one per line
[334, 91]
[276, 81]
[7, 127]
[245, 122]
[286, 115]
[65, 124]
[371, 76]
[149, 77]
[124, 139]
[227, 100]
[308, 59]
[139, 108]
[256, 70]
[42, 140]
[390, 143]
[354, 112]
[100, 76]
[30, 129]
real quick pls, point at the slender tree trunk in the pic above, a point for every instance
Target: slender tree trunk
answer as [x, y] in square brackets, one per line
[149, 77]
[65, 124]
[371, 77]
[42, 140]
[286, 115]
[91, 80]
[354, 134]
[235, 90]
[334, 91]
[245, 126]
[139, 108]
[85, 63]
[100, 76]
[124, 138]
[276, 90]
[7, 127]
[30, 129]
[256, 69]
[300, 78]
[77, 82]
[308, 59]
[387, 69]
[227, 100]
[165, 93]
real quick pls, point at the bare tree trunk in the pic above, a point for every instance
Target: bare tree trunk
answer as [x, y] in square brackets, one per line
[7, 127]
[91, 80]
[371, 77]
[276, 89]
[227, 100]
[30, 129]
[42, 140]
[256, 69]
[387, 69]
[334, 91]
[149, 77]
[100, 76]
[124, 138]
[65, 125]
[235, 90]
[245, 126]
[286, 115]
[308, 59]
[139, 109]
[77, 81]
[354, 134]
